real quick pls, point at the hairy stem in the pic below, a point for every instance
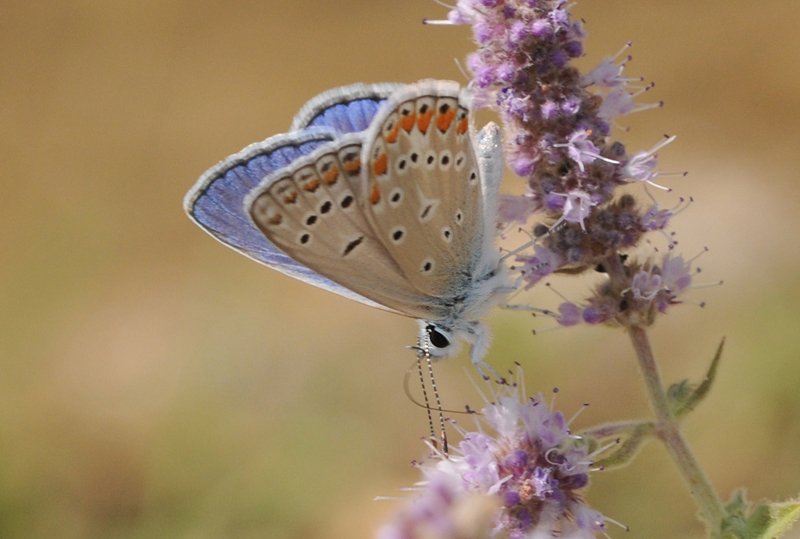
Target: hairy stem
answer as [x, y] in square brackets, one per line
[709, 504]
[666, 425]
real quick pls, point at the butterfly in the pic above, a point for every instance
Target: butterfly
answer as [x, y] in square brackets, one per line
[381, 193]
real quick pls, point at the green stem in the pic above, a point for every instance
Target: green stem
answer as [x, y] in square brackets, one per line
[709, 504]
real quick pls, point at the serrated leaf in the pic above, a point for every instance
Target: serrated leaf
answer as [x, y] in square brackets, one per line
[679, 392]
[735, 522]
[737, 504]
[757, 522]
[764, 521]
[686, 401]
[782, 516]
[629, 447]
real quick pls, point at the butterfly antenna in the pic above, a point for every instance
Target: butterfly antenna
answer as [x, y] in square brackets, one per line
[434, 387]
[519, 249]
[423, 354]
[426, 401]
[426, 405]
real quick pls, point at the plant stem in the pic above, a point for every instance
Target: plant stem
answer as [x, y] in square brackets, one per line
[709, 504]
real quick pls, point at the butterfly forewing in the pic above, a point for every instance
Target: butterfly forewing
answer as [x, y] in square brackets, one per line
[349, 109]
[216, 203]
[424, 190]
[311, 211]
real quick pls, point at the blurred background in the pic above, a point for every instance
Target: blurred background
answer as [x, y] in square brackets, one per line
[156, 384]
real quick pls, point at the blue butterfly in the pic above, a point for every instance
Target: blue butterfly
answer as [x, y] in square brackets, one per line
[381, 193]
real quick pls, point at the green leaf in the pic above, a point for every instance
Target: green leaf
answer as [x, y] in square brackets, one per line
[782, 516]
[679, 392]
[764, 521]
[630, 436]
[685, 397]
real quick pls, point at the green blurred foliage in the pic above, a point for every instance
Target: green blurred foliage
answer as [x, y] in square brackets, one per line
[155, 384]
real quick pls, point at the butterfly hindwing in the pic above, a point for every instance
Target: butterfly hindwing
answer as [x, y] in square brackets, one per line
[216, 203]
[424, 186]
[311, 211]
[489, 147]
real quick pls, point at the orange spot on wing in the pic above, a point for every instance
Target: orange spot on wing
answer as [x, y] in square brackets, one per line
[331, 176]
[443, 121]
[353, 166]
[275, 219]
[463, 126]
[407, 122]
[375, 194]
[381, 164]
[391, 136]
[312, 185]
[424, 121]
[290, 198]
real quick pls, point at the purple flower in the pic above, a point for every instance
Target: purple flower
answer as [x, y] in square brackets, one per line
[569, 314]
[580, 148]
[541, 28]
[541, 264]
[558, 125]
[522, 165]
[645, 285]
[520, 475]
[648, 289]
[609, 73]
[642, 166]
[577, 208]
[514, 209]
[549, 110]
[571, 105]
[483, 33]
[652, 287]
[595, 314]
[655, 218]
[519, 31]
[677, 274]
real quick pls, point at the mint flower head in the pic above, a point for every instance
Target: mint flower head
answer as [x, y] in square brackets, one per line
[558, 137]
[557, 124]
[519, 475]
[653, 287]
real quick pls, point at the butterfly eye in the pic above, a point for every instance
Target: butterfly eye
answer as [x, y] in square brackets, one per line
[436, 337]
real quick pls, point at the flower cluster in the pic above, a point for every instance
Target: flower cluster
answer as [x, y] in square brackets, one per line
[521, 473]
[653, 287]
[557, 124]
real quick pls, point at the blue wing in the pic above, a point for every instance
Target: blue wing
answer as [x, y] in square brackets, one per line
[216, 203]
[348, 109]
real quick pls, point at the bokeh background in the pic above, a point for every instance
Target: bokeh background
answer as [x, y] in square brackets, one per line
[155, 384]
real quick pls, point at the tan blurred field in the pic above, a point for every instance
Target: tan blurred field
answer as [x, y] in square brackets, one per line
[156, 384]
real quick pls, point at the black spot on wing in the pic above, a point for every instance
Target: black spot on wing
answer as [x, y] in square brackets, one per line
[352, 245]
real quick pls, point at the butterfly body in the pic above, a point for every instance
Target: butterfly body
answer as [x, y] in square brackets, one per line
[381, 193]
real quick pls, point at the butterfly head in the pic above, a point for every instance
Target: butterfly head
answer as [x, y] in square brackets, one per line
[444, 339]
